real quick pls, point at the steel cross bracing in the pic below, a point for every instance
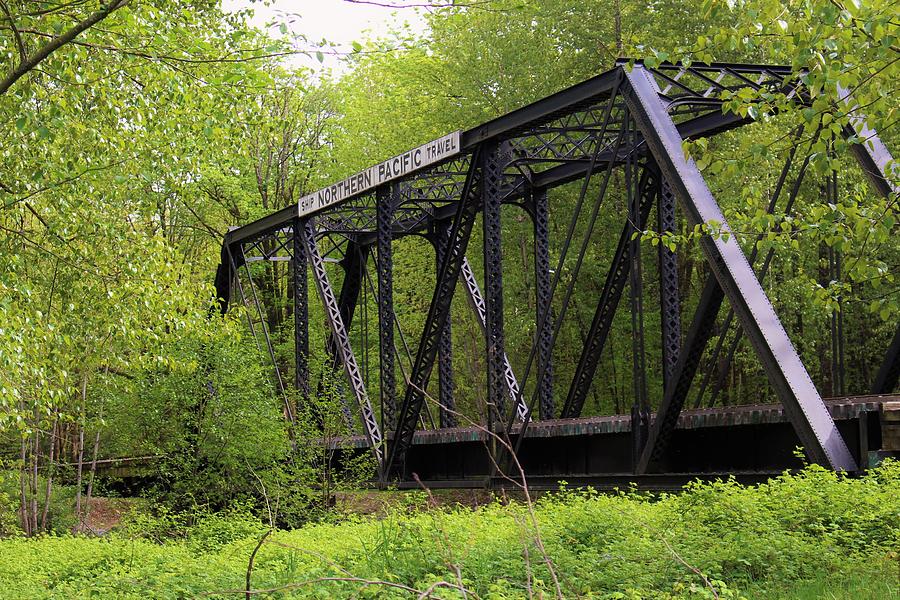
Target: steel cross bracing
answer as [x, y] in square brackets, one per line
[789, 377]
[631, 121]
[341, 341]
[615, 283]
[467, 276]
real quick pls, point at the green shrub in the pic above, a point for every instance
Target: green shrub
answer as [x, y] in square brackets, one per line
[795, 536]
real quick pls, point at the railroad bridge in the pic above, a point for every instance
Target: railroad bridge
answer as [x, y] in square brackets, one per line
[618, 134]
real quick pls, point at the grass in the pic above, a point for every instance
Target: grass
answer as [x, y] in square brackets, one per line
[814, 534]
[858, 586]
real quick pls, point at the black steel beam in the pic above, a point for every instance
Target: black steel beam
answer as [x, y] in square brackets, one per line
[670, 307]
[540, 214]
[414, 397]
[544, 110]
[354, 266]
[616, 278]
[260, 227]
[301, 312]
[447, 413]
[682, 376]
[889, 372]
[341, 338]
[491, 184]
[387, 199]
[815, 427]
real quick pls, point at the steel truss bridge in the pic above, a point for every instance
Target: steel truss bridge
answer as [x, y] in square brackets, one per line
[632, 120]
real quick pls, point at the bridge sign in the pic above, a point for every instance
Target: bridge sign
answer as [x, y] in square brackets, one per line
[403, 164]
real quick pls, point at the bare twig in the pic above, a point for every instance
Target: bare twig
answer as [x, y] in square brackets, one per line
[252, 558]
[522, 484]
[448, 548]
[695, 570]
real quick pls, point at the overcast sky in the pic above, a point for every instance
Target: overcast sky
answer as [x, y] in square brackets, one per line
[337, 21]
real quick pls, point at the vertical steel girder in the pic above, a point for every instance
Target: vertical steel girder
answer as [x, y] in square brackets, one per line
[447, 412]
[414, 397]
[541, 219]
[889, 372]
[385, 206]
[636, 285]
[802, 403]
[341, 339]
[354, 265]
[613, 287]
[476, 300]
[301, 312]
[491, 184]
[682, 375]
[670, 308]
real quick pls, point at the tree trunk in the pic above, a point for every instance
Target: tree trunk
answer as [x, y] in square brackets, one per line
[90, 487]
[23, 484]
[35, 454]
[78, 477]
[50, 472]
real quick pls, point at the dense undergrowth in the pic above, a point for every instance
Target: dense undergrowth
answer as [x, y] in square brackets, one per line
[807, 535]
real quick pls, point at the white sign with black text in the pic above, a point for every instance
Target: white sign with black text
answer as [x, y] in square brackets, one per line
[427, 154]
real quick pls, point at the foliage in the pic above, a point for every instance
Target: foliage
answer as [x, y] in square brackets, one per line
[477, 62]
[107, 344]
[797, 533]
[130, 149]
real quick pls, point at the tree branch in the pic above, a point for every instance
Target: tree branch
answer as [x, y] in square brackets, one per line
[23, 55]
[30, 62]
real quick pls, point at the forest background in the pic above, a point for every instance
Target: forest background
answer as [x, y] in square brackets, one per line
[137, 132]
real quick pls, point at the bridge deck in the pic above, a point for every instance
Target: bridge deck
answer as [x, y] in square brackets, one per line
[750, 442]
[841, 409]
